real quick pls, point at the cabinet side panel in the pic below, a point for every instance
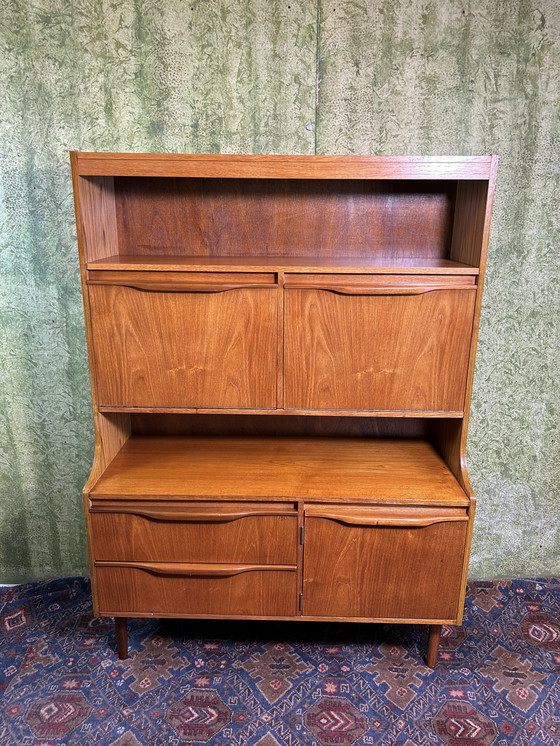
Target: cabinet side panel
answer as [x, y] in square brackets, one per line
[96, 233]
[451, 438]
[98, 216]
[468, 226]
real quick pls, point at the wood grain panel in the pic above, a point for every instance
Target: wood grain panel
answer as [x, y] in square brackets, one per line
[284, 166]
[377, 352]
[379, 263]
[182, 281]
[111, 431]
[383, 571]
[366, 469]
[262, 534]
[272, 425]
[372, 284]
[184, 349]
[225, 217]
[135, 591]
[98, 216]
[468, 225]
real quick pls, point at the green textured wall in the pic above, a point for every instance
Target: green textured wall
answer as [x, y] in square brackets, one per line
[392, 76]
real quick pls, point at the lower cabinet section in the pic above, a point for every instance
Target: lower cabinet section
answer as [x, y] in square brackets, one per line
[241, 559]
[149, 589]
[402, 563]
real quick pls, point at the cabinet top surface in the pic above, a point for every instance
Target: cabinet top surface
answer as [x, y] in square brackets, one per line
[284, 166]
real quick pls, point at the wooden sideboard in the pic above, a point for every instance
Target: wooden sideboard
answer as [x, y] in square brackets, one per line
[281, 353]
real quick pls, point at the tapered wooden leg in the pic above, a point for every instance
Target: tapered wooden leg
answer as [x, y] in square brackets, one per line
[122, 637]
[434, 634]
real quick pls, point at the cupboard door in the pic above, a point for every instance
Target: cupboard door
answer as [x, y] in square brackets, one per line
[377, 342]
[174, 339]
[399, 563]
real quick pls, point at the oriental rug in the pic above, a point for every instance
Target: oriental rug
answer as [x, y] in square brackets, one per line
[279, 684]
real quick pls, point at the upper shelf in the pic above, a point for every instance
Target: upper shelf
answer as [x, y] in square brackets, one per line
[284, 166]
[299, 213]
[335, 264]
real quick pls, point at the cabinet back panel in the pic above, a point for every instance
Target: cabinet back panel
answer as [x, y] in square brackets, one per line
[230, 425]
[248, 217]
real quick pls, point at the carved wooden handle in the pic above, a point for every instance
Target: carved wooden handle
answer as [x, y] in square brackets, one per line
[368, 519]
[182, 287]
[380, 289]
[183, 569]
[190, 515]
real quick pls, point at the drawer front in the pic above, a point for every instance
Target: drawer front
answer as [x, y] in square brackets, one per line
[386, 564]
[226, 590]
[377, 343]
[173, 340]
[159, 532]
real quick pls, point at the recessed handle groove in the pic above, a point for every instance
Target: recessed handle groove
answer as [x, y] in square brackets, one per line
[380, 289]
[182, 287]
[183, 569]
[193, 515]
[362, 519]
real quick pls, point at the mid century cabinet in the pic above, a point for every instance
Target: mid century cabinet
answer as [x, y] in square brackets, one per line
[281, 353]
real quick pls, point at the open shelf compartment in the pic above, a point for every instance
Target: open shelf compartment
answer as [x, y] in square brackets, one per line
[292, 224]
[346, 470]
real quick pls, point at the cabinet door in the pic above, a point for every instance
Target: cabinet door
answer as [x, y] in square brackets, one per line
[381, 342]
[383, 563]
[178, 339]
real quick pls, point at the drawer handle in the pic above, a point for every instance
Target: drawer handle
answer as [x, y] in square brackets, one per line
[380, 290]
[365, 520]
[182, 287]
[193, 516]
[179, 569]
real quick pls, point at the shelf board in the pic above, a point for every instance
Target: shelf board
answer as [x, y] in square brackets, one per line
[284, 166]
[338, 264]
[367, 470]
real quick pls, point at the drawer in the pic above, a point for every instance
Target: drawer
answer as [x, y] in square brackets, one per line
[184, 590]
[263, 533]
[386, 562]
[181, 339]
[377, 342]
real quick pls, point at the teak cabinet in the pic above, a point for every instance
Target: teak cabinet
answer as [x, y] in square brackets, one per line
[281, 354]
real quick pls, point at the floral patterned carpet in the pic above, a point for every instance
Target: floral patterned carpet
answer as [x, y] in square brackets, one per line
[280, 684]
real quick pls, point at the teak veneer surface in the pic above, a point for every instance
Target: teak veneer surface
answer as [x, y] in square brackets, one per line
[178, 537]
[157, 349]
[170, 590]
[383, 264]
[376, 352]
[403, 572]
[283, 166]
[345, 469]
[217, 217]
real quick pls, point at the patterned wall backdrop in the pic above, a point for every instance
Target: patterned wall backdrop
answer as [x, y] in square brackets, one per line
[371, 76]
